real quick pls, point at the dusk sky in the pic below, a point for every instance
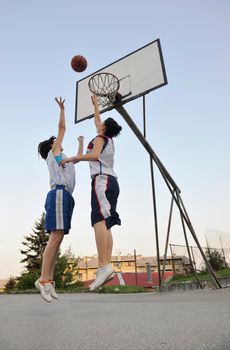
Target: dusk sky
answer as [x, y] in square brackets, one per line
[188, 123]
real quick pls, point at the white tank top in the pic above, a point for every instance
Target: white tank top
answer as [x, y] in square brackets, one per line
[61, 176]
[105, 162]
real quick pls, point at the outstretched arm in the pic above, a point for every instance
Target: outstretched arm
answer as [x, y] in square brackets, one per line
[97, 118]
[57, 146]
[94, 155]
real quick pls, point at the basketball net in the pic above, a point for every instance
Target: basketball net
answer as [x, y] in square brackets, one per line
[105, 86]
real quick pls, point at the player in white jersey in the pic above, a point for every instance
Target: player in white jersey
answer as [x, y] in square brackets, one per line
[59, 203]
[105, 191]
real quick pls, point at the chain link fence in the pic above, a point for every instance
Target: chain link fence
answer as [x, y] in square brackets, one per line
[181, 251]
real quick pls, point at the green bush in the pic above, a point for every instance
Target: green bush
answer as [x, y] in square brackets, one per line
[216, 260]
[10, 285]
[27, 279]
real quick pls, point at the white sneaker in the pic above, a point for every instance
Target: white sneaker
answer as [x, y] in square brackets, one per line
[44, 290]
[110, 278]
[53, 293]
[102, 276]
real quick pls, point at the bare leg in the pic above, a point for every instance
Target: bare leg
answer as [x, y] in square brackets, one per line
[53, 265]
[50, 255]
[102, 242]
[110, 246]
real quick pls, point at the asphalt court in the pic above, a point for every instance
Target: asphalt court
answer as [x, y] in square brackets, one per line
[193, 320]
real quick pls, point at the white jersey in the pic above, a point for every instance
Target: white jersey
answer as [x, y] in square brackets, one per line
[104, 164]
[61, 176]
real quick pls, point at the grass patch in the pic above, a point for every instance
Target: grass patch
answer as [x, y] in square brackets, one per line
[201, 276]
[122, 289]
[223, 273]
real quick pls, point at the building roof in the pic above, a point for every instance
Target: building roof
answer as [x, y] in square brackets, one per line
[91, 262]
[88, 262]
[142, 261]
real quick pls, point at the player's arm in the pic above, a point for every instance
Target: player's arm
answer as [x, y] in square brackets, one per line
[94, 155]
[97, 118]
[80, 145]
[57, 146]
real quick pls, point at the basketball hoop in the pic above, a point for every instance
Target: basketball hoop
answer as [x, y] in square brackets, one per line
[105, 86]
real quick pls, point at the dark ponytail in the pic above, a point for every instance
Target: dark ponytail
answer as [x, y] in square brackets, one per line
[45, 146]
[112, 129]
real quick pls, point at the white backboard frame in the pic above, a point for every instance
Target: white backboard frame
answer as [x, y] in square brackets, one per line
[139, 73]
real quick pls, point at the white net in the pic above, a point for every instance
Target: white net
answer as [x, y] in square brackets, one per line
[105, 86]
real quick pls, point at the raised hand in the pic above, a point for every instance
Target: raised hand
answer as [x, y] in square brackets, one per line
[94, 100]
[60, 102]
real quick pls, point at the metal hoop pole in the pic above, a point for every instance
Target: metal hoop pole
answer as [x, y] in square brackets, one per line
[154, 205]
[167, 238]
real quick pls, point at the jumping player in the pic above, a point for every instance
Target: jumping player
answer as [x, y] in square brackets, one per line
[59, 203]
[104, 193]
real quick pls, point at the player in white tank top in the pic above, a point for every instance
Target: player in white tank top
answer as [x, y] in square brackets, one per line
[105, 162]
[105, 191]
[59, 203]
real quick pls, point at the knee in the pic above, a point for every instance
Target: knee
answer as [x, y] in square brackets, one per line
[57, 236]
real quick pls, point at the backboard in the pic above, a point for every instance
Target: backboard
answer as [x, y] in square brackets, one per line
[139, 73]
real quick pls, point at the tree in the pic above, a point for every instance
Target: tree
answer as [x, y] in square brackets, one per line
[64, 270]
[27, 279]
[215, 259]
[35, 244]
[10, 285]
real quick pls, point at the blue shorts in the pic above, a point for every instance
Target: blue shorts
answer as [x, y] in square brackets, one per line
[59, 209]
[104, 195]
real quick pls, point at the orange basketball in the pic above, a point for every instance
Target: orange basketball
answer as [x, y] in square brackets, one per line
[79, 63]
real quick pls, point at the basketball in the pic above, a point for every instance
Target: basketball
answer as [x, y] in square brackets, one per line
[79, 63]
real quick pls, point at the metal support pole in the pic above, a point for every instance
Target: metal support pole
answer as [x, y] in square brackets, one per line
[169, 181]
[167, 239]
[154, 204]
[173, 264]
[188, 250]
[215, 281]
[120, 109]
[194, 261]
[144, 117]
[156, 224]
[135, 262]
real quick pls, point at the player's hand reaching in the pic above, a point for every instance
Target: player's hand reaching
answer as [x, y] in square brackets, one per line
[60, 102]
[94, 100]
[80, 138]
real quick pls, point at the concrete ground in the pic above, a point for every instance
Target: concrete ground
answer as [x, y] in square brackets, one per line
[192, 320]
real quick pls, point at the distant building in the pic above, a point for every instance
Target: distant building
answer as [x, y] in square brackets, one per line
[87, 266]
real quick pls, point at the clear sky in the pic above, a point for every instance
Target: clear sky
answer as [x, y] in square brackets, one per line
[187, 120]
